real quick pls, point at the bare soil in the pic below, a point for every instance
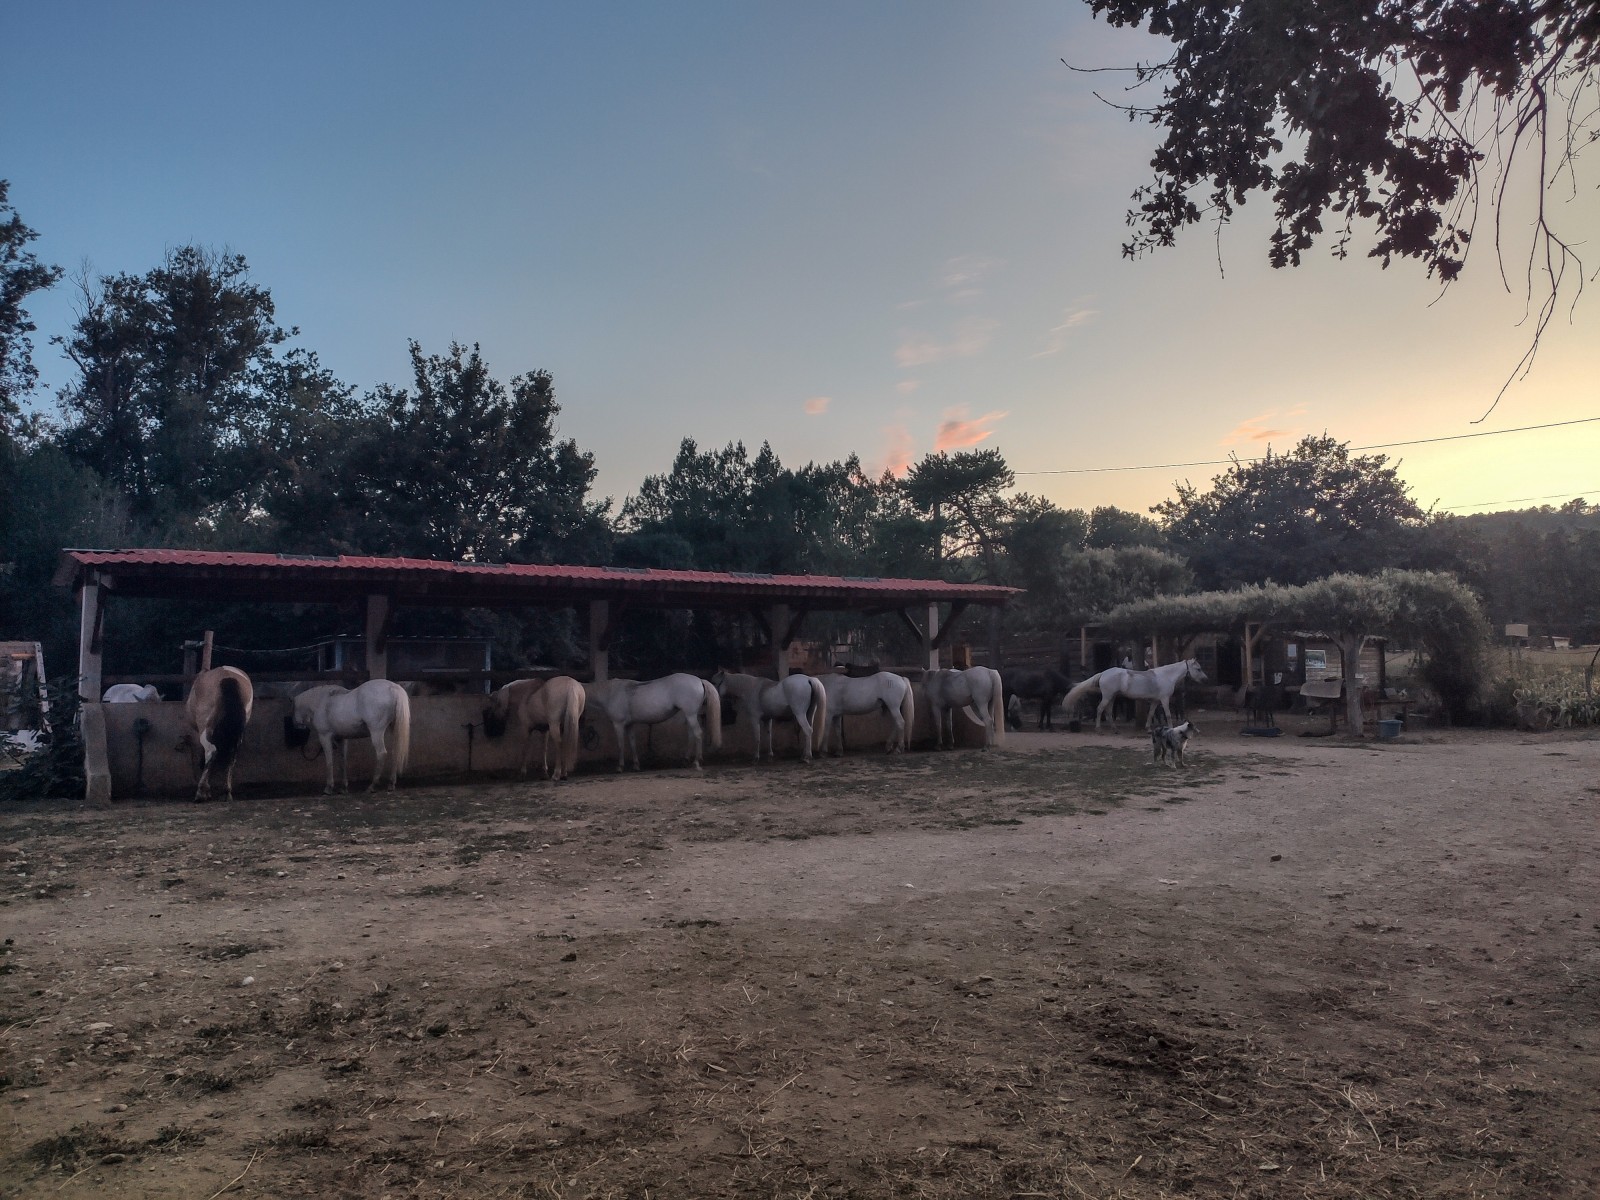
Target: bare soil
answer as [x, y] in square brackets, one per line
[1297, 968]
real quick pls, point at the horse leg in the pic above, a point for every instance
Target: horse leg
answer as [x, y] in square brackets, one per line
[1106, 702]
[344, 764]
[380, 760]
[694, 739]
[805, 736]
[202, 790]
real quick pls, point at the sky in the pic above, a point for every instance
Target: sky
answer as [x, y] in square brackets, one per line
[842, 228]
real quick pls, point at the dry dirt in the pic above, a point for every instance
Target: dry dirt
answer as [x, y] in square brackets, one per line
[1299, 968]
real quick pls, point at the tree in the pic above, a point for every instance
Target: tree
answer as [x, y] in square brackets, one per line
[168, 373]
[1364, 111]
[963, 492]
[463, 467]
[1293, 517]
[1110, 526]
[21, 274]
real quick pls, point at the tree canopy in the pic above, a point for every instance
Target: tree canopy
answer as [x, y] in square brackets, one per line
[1387, 111]
[1289, 518]
[1400, 116]
[21, 274]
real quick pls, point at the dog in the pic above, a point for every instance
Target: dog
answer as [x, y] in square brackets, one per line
[1170, 740]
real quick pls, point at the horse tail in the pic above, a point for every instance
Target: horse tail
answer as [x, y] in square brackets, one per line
[908, 714]
[997, 707]
[401, 729]
[713, 714]
[227, 729]
[818, 715]
[1069, 702]
[572, 713]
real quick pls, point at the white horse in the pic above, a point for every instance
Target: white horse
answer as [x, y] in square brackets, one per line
[131, 693]
[977, 691]
[628, 703]
[1156, 684]
[884, 692]
[379, 709]
[798, 697]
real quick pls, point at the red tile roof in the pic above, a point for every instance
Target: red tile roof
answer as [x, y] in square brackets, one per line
[313, 577]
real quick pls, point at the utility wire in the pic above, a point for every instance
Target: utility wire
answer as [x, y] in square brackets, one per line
[1222, 462]
[1518, 500]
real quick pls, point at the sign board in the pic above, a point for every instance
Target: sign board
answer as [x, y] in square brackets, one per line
[1520, 631]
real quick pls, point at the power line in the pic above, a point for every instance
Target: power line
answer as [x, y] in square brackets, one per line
[1518, 500]
[1222, 462]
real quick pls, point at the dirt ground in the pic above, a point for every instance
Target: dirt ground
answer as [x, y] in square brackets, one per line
[1298, 968]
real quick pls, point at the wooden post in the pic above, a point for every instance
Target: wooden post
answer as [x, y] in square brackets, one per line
[778, 623]
[930, 634]
[90, 616]
[600, 639]
[1083, 651]
[205, 650]
[1155, 649]
[377, 637]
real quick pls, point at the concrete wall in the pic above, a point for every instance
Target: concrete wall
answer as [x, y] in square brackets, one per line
[439, 745]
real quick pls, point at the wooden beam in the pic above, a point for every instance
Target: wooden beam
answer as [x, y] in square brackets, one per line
[905, 618]
[600, 626]
[91, 607]
[379, 613]
[793, 630]
[956, 609]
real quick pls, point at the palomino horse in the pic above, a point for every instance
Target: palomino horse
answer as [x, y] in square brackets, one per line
[883, 692]
[1156, 684]
[552, 707]
[798, 697]
[1044, 684]
[131, 693]
[977, 691]
[219, 707]
[627, 704]
[379, 709]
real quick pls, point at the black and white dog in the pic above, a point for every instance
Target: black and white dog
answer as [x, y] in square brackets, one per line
[1171, 740]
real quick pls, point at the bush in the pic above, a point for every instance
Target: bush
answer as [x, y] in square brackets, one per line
[55, 769]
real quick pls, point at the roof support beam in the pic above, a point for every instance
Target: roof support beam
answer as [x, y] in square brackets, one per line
[956, 609]
[379, 612]
[91, 622]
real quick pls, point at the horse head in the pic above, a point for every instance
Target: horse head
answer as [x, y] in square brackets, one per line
[495, 714]
[295, 734]
[719, 681]
[1195, 671]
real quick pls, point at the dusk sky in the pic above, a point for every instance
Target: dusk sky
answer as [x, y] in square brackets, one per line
[838, 227]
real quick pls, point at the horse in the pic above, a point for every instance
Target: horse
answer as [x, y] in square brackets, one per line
[379, 709]
[552, 706]
[1045, 684]
[801, 697]
[131, 693]
[628, 703]
[978, 691]
[1156, 684]
[884, 691]
[219, 707]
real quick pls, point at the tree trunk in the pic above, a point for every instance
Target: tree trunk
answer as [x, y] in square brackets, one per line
[1350, 662]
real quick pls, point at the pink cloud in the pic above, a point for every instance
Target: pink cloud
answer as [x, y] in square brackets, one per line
[896, 451]
[970, 337]
[1256, 428]
[956, 431]
[817, 405]
[1072, 318]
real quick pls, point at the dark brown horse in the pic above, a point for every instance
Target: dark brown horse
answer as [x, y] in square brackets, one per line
[1044, 684]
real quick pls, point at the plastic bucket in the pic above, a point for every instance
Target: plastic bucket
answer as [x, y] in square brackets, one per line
[1389, 730]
